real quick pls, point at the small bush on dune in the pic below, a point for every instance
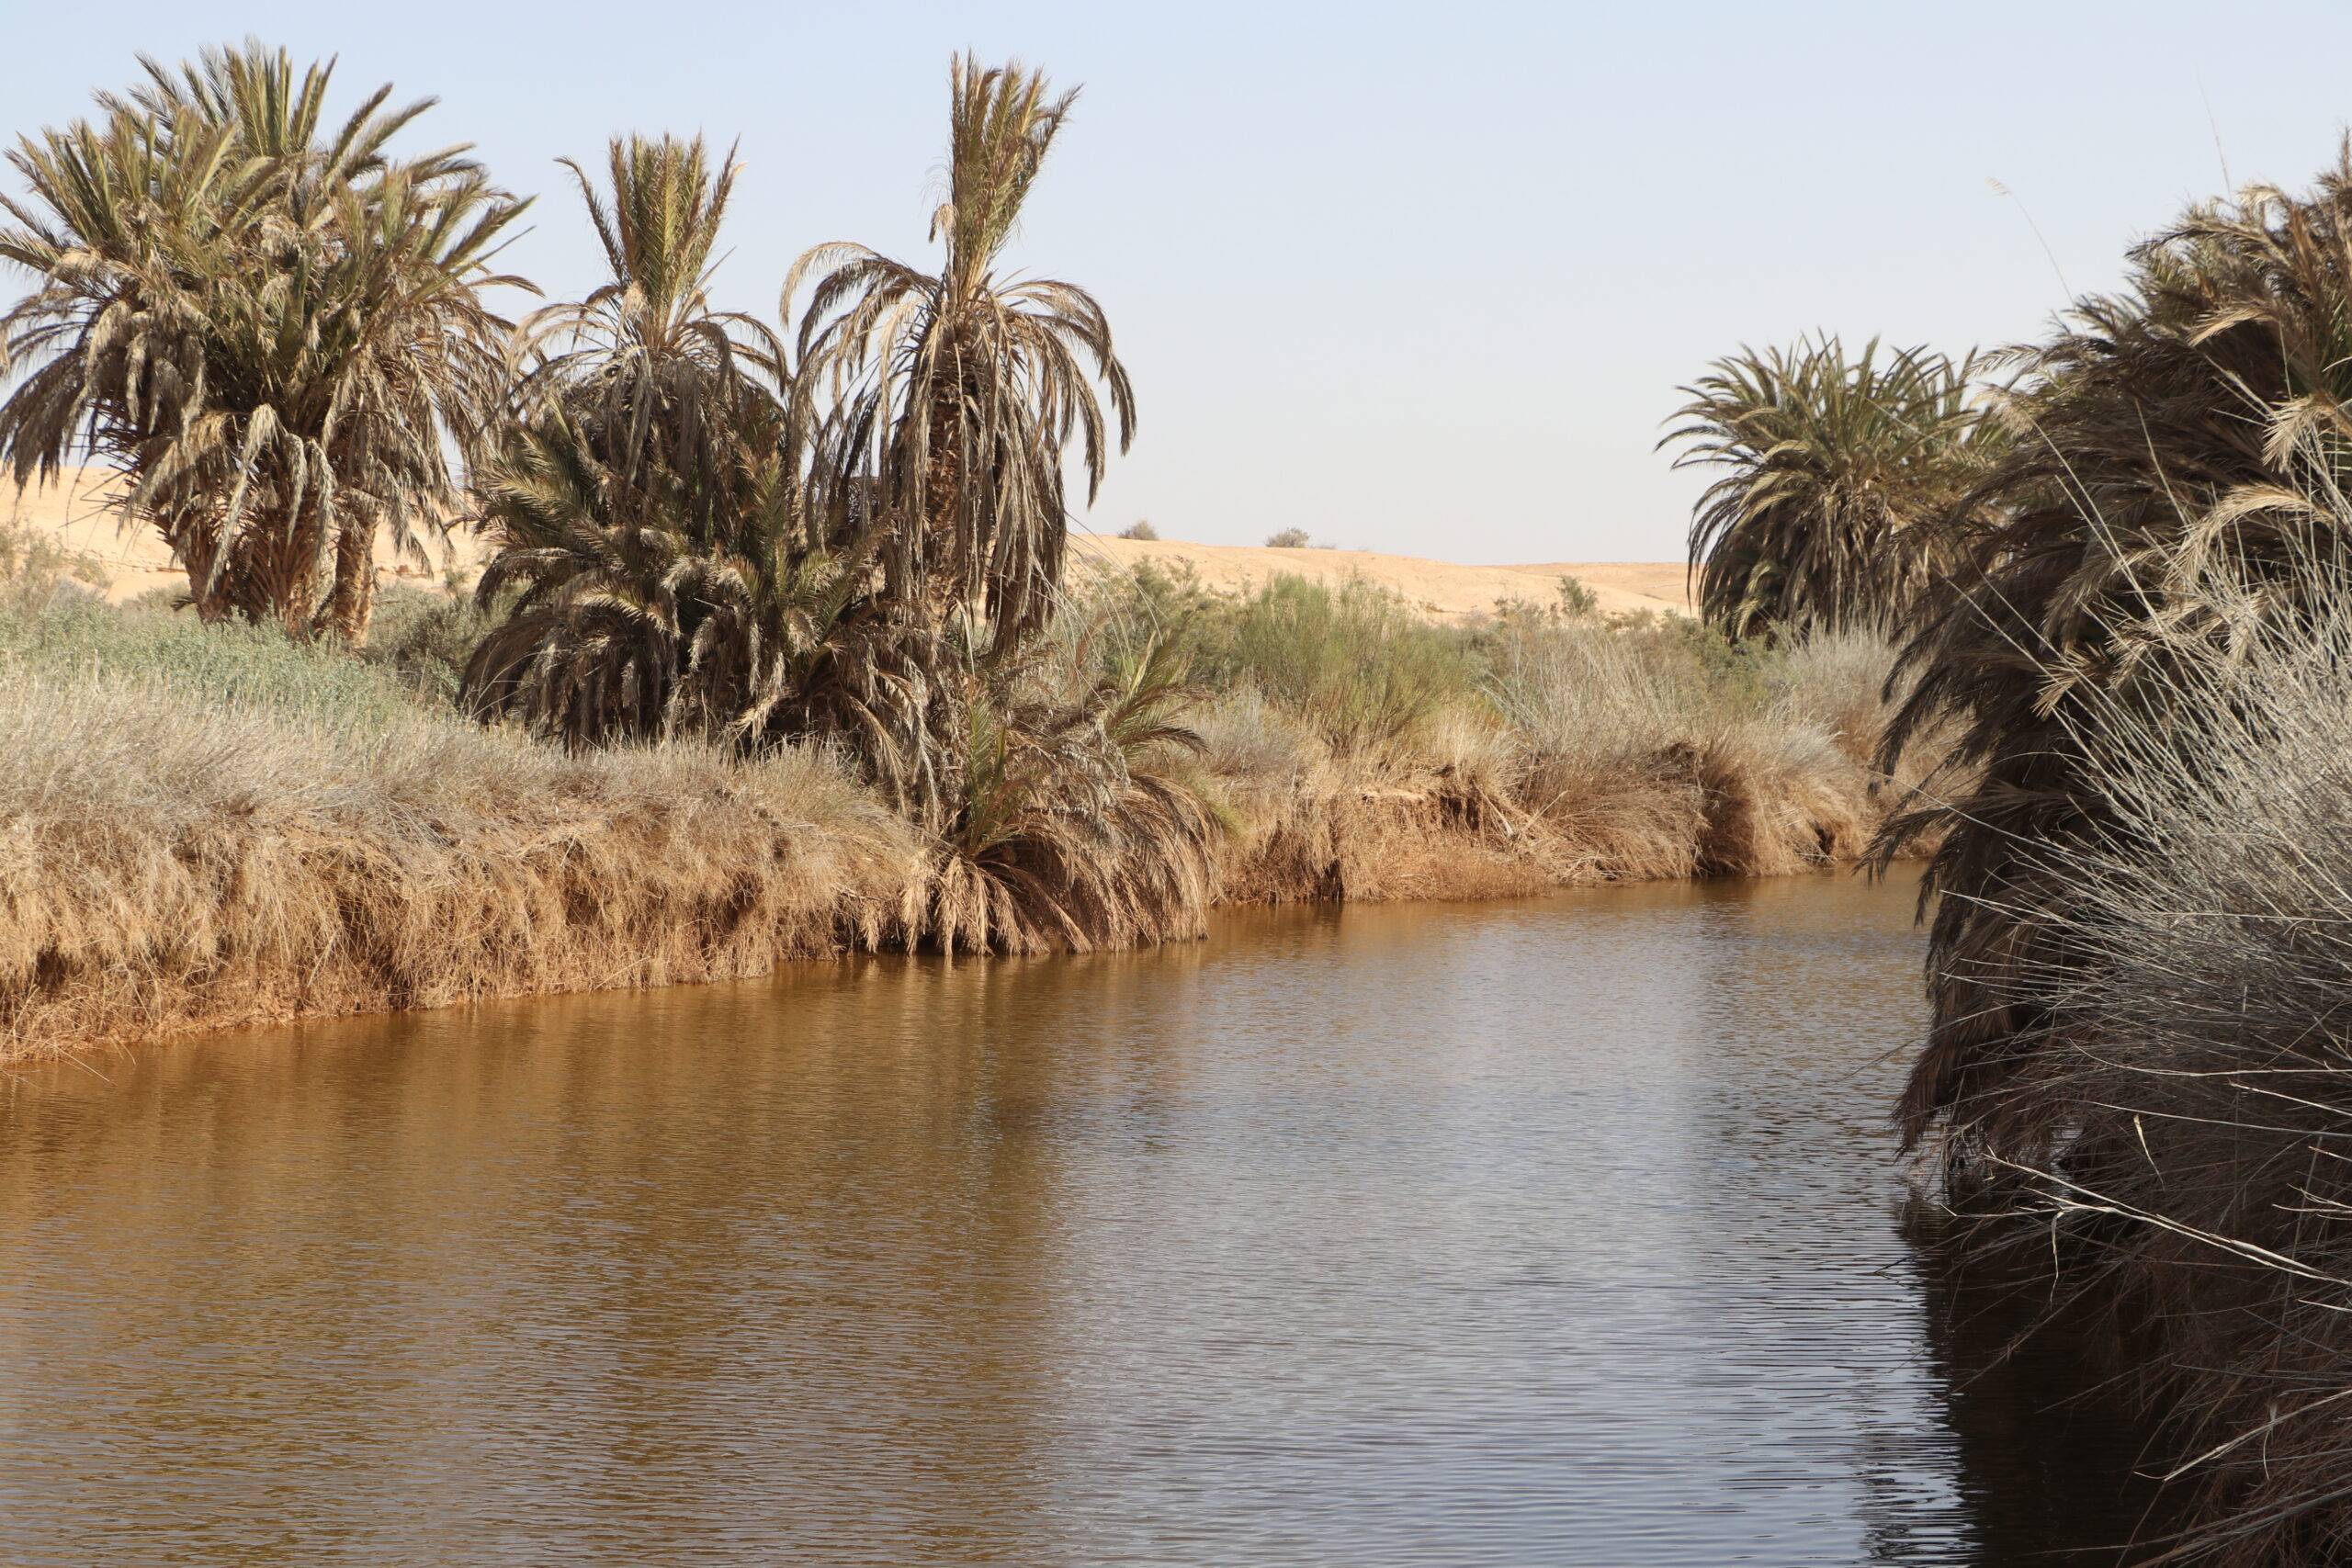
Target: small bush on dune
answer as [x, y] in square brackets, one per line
[1287, 540]
[1141, 529]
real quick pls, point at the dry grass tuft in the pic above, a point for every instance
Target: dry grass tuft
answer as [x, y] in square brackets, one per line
[2164, 1145]
[173, 857]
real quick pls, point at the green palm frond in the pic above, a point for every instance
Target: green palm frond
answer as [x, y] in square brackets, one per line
[1837, 474]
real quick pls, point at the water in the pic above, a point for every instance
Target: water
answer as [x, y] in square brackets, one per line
[1563, 1232]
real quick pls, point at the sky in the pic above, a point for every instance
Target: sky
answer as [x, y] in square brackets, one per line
[1417, 278]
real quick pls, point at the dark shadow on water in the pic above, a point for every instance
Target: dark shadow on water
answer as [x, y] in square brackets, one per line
[2054, 1463]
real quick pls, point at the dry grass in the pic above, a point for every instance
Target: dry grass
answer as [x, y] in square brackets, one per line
[2166, 1143]
[177, 855]
[1532, 755]
[203, 825]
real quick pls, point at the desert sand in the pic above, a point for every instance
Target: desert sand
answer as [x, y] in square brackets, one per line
[77, 516]
[1441, 590]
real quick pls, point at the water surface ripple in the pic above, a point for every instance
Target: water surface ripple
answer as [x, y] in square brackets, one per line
[1562, 1232]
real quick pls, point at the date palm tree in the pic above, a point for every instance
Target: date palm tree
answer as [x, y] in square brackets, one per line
[2168, 437]
[276, 332]
[959, 393]
[685, 548]
[645, 444]
[1836, 472]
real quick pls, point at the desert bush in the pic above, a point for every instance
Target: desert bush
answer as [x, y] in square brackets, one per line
[35, 568]
[427, 639]
[1140, 528]
[1353, 660]
[1287, 540]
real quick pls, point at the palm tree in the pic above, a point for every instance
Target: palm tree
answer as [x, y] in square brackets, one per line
[959, 393]
[1836, 471]
[2167, 437]
[687, 546]
[644, 477]
[279, 336]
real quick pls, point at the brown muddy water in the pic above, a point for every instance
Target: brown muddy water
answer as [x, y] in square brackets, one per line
[1562, 1232]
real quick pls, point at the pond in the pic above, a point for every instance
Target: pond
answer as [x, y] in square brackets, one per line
[1559, 1232]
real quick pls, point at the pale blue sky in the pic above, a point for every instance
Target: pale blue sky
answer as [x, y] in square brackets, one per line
[1414, 277]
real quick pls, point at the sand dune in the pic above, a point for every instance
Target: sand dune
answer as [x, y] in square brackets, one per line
[1441, 590]
[78, 518]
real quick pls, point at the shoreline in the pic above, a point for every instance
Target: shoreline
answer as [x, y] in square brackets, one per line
[1359, 846]
[211, 827]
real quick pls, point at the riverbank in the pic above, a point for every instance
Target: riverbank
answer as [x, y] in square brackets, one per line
[209, 827]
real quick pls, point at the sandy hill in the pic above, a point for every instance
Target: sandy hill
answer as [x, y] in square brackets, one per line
[1441, 590]
[76, 516]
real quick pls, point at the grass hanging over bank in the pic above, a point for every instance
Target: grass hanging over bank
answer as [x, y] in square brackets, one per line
[209, 825]
[2164, 1149]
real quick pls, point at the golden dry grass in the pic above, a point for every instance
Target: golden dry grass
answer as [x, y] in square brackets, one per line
[165, 867]
[1596, 755]
[204, 827]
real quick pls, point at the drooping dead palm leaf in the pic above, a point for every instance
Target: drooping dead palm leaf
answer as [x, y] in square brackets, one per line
[278, 335]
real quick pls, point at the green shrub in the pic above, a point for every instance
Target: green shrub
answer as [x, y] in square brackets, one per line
[426, 638]
[240, 665]
[1355, 661]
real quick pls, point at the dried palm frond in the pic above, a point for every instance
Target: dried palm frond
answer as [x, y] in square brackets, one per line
[276, 332]
[2167, 442]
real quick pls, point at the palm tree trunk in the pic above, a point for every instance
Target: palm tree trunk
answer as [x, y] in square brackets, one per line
[947, 574]
[195, 548]
[351, 602]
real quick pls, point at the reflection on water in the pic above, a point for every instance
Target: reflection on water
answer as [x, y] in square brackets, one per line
[1557, 1231]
